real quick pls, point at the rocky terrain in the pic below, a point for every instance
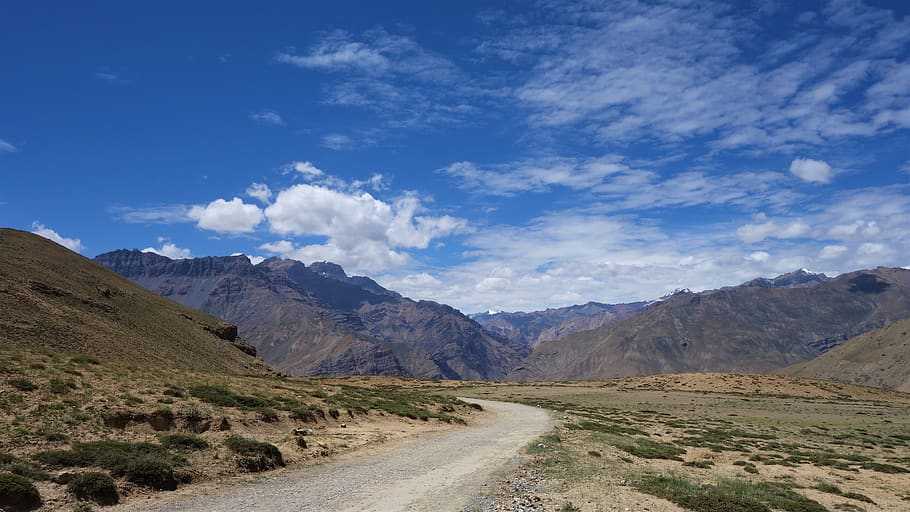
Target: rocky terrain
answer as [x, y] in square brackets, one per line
[551, 324]
[318, 320]
[749, 328]
[54, 299]
[880, 358]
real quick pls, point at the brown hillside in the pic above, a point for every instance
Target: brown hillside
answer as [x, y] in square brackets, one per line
[54, 299]
[743, 329]
[880, 358]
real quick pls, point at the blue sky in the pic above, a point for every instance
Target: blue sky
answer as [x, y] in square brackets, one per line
[484, 154]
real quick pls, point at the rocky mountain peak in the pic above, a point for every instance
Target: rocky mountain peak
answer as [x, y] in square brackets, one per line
[797, 278]
[328, 269]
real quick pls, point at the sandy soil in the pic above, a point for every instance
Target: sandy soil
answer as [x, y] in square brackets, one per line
[433, 472]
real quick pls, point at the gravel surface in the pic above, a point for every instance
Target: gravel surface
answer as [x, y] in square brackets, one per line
[434, 472]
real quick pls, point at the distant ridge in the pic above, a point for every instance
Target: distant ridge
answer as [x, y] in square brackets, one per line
[534, 327]
[760, 326]
[318, 320]
[54, 299]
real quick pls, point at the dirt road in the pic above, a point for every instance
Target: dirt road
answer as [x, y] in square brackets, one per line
[436, 472]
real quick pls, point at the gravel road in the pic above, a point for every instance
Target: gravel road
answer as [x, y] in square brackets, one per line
[434, 472]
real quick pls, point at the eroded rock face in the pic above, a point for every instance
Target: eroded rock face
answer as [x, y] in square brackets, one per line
[318, 320]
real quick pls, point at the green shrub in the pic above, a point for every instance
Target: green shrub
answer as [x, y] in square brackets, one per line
[224, 397]
[255, 455]
[97, 487]
[22, 384]
[267, 414]
[649, 449]
[186, 442]
[884, 468]
[84, 360]
[18, 493]
[58, 386]
[152, 472]
[141, 463]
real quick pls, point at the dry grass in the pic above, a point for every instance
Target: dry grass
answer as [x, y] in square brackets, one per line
[156, 429]
[718, 442]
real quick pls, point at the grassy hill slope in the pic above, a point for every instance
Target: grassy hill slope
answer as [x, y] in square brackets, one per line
[52, 299]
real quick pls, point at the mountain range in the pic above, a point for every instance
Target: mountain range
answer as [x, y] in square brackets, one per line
[318, 320]
[760, 326]
[54, 300]
[551, 324]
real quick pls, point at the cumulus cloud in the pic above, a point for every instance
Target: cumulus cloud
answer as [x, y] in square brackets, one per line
[815, 171]
[307, 169]
[169, 250]
[73, 244]
[360, 230]
[231, 217]
[259, 191]
[269, 117]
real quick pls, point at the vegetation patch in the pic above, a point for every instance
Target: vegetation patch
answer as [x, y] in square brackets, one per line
[144, 464]
[18, 493]
[184, 442]
[726, 495]
[225, 397]
[95, 486]
[255, 456]
[648, 448]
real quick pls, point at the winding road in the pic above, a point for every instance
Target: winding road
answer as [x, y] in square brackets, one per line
[435, 472]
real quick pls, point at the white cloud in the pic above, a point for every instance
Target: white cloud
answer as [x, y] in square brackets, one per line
[361, 231]
[307, 169]
[856, 229]
[680, 71]
[168, 214]
[255, 260]
[260, 192]
[222, 216]
[575, 255]
[73, 244]
[763, 228]
[170, 250]
[815, 171]
[390, 74]
[269, 117]
[758, 256]
[337, 141]
[871, 249]
[832, 251]
[6, 147]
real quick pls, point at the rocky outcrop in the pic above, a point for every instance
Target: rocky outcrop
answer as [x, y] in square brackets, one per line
[318, 320]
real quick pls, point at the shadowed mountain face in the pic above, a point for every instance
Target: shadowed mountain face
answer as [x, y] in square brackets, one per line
[318, 320]
[880, 358]
[747, 328]
[54, 299]
[537, 326]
